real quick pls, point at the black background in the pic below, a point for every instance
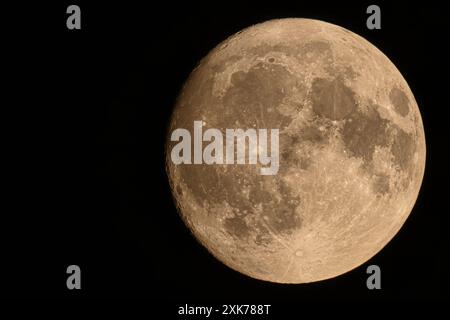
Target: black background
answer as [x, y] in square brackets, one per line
[85, 133]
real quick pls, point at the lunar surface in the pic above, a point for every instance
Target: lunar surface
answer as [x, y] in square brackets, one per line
[351, 146]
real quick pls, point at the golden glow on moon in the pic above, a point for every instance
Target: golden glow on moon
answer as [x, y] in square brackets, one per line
[352, 151]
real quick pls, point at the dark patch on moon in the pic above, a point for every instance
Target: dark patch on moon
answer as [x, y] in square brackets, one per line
[287, 157]
[403, 148]
[282, 217]
[381, 184]
[362, 132]
[263, 49]
[258, 195]
[399, 101]
[256, 94]
[202, 180]
[316, 48]
[313, 134]
[332, 99]
[313, 49]
[237, 226]
[208, 182]
[288, 145]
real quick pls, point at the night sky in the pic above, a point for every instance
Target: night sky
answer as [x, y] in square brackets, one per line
[85, 131]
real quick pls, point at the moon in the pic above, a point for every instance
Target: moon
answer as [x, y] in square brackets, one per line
[351, 145]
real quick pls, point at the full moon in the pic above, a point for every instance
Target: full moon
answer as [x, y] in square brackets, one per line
[351, 151]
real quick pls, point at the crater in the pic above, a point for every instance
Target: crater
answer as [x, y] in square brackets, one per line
[332, 99]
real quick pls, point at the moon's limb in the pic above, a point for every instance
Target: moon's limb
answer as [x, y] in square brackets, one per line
[352, 151]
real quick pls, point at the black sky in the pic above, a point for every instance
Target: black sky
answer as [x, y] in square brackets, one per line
[85, 133]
